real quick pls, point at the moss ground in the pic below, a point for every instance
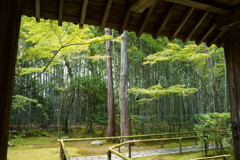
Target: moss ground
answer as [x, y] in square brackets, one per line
[47, 148]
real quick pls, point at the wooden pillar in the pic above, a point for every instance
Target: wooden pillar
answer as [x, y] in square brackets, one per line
[9, 32]
[232, 56]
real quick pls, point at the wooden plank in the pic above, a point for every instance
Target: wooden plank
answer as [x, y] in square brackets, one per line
[83, 13]
[37, 10]
[10, 16]
[165, 21]
[201, 6]
[196, 27]
[182, 22]
[106, 15]
[141, 5]
[65, 152]
[60, 14]
[146, 19]
[206, 34]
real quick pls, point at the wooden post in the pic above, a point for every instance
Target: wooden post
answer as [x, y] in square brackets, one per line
[205, 146]
[129, 150]
[9, 32]
[61, 151]
[161, 142]
[196, 139]
[119, 149]
[232, 56]
[180, 146]
[109, 155]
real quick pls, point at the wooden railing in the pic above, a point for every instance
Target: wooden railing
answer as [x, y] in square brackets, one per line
[111, 149]
[63, 151]
[64, 154]
[224, 157]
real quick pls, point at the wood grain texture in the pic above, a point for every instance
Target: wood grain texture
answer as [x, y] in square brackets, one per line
[9, 32]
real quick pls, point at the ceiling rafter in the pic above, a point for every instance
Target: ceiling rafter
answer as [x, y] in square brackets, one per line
[206, 34]
[182, 22]
[141, 5]
[145, 18]
[165, 20]
[125, 21]
[60, 14]
[196, 27]
[37, 12]
[106, 15]
[83, 13]
[218, 36]
[202, 6]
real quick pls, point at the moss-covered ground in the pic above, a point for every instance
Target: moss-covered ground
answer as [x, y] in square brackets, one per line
[47, 148]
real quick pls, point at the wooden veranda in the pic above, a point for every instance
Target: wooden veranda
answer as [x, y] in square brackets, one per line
[214, 22]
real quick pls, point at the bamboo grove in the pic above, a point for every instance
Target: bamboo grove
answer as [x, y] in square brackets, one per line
[61, 79]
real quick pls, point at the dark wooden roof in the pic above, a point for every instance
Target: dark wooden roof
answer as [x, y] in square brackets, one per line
[196, 20]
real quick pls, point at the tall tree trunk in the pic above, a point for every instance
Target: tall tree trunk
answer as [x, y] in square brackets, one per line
[125, 123]
[214, 86]
[70, 100]
[111, 105]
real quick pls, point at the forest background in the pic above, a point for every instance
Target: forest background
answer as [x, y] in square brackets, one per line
[61, 80]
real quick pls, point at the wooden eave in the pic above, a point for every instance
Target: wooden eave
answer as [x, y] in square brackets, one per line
[196, 20]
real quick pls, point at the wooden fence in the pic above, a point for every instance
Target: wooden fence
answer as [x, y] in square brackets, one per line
[65, 156]
[111, 149]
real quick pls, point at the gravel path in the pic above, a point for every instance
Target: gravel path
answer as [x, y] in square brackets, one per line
[146, 153]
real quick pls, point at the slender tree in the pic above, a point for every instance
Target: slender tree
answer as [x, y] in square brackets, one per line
[125, 122]
[111, 105]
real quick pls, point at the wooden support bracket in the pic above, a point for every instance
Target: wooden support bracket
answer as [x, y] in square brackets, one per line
[83, 13]
[60, 14]
[37, 8]
[106, 15]
[182, 22]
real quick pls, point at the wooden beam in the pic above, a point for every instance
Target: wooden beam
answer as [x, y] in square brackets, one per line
[83, 13]
[232, 57]
[228, 21]
[60, 13]
[165, 21]
[37, 8]
[201, 6]
[106, 15]
[182, 22]
[218, 36]
[141, 5]
[196, 27]
[146, 19]
[206, 34]
[10, 16]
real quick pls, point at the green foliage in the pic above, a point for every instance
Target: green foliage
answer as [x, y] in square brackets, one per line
[37, 133]
[20, 102]
[212, 123]
[174, 52]
[156, 91]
